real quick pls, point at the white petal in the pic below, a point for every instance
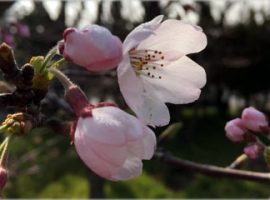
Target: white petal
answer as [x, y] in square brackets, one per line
[93, 161]
[149, 142]
[140, 33]
[103, 127]
[146, 105]
[136, 148]
[180, 81]
[154, 111]
[143, 148]
[131, 169]
[175, 35]
[113, 154]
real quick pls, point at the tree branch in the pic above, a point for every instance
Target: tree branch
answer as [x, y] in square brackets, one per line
[211, 170]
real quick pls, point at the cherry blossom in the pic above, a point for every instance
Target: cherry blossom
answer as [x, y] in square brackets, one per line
[155, 69]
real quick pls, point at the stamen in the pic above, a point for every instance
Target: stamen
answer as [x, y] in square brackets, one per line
[145, 60]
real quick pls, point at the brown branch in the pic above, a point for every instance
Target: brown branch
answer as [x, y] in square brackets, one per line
[211, 170]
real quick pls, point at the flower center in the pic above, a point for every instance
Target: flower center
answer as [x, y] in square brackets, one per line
[145, 62]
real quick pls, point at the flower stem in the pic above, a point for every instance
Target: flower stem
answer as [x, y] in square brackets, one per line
[238, 161]
[3, 144]
[59, 63]
[48, 58]
[66, 82]
[4, 151]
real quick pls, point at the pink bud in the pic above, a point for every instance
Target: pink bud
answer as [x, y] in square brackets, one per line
[235, 130]
[93, 47]
[112, 143]
[23, 30]
[254, 120]
[3, 178]
[254, 151]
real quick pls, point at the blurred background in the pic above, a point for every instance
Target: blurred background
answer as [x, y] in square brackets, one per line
[44, 165]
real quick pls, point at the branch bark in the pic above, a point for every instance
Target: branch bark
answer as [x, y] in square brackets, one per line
[211, 170]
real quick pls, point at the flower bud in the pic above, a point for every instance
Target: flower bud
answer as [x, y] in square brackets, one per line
[254, 151]
[235, 130]
[3, 178]
[254, 120]
[93, 47]
[113, 143]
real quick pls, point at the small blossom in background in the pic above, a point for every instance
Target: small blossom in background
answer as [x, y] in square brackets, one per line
[3, 177]
[254, 151]
[235, 130]
[155, 69]
[9, 39]
[251, 124]
[254, 120]
[93, 48]
[23, 30]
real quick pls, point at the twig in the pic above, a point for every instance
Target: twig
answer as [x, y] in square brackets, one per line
[238, 161]
[211, 170]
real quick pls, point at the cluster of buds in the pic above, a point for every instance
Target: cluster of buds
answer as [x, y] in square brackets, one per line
[246, 129]
[17, 124]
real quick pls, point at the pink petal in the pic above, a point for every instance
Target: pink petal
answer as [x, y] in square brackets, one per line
[235, 130]
[175, 35]
[254, 151]
[254, 119]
